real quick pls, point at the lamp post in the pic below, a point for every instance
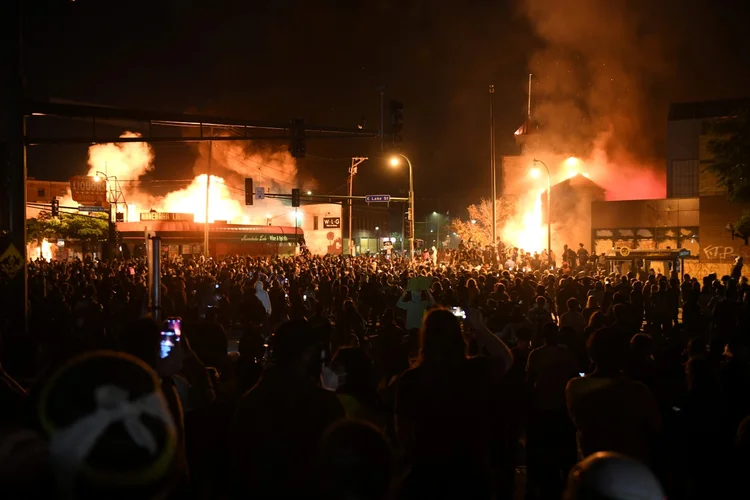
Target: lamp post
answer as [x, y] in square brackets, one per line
[395, 161]
[549, 207]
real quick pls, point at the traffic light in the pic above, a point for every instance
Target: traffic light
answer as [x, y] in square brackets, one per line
[55, 207]
[248, 191]
[297, 146]
[397, 120]
[407, 225]
[295, 197]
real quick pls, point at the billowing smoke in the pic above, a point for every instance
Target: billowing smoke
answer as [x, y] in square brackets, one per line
[124, 160]
[589, 93]
[590, 102]
[231, 163]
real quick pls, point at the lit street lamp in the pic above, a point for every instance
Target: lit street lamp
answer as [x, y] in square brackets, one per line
[535, 173]
[395, 162]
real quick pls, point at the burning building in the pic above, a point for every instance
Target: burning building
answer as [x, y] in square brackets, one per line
[120, 172]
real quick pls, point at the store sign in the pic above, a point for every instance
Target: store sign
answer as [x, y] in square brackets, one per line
[331, 222]
[272, 238]
[85, 189]
[167, 216]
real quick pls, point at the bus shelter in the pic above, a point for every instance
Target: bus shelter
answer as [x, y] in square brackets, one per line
[625, 260]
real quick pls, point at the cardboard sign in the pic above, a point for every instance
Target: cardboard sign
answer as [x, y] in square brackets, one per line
[419, 283]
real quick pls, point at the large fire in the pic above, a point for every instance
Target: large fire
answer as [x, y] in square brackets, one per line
[192, 199]
[121, 166]
[527, 228]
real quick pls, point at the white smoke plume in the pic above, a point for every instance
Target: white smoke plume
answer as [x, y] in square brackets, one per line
[124, 160]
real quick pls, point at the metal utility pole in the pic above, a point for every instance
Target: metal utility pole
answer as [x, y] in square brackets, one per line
[206, 253]
[493, 170]
[382, 119]
[356, 161]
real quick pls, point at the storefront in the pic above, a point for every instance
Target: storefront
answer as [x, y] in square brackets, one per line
[695, 225]
[186, 238]
[623, 260]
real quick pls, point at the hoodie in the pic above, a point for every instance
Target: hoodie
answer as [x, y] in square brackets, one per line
[263, 296]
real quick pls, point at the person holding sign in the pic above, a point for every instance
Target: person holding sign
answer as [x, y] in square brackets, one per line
[415, 301]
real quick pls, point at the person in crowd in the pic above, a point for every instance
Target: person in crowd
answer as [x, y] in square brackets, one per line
[355, 463]
[273, 449]
[591, 307]
[611, 412]
[551, 448]
[612, 476]
[415, 303]
[445, 395]
[444, 410]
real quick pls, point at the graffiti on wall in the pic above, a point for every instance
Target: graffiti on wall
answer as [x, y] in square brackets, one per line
[718, 252]
[699, 269]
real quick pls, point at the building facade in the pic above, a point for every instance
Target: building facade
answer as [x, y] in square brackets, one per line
[39, 191]
[688, 134]
[697, 224]
[370, 226]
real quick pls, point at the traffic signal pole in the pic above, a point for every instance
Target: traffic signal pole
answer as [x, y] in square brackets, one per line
[356, 161]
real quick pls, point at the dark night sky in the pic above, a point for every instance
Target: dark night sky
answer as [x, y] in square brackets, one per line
[324, 59]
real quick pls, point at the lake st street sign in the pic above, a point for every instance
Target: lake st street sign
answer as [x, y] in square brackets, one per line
[378, 198]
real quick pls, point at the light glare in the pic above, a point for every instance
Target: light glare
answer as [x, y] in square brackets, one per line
[572, 161]
[535, 173]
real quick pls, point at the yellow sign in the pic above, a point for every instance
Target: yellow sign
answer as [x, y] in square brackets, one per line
[624, 251]
[11, 261]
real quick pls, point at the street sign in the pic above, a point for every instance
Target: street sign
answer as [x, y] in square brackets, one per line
[85, 189]
[260, 193]
[331, 222]
[94, 208]
[378, 198]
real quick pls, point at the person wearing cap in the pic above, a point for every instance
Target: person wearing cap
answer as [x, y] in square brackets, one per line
[276, 431]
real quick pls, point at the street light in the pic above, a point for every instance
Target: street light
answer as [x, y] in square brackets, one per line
[395, 162]
[549, 206]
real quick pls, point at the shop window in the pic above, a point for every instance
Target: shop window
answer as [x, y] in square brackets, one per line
[604, 233]
[603, 245]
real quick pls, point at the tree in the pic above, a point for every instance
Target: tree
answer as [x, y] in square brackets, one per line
[478, 229]
[730, 163]
[68, 226]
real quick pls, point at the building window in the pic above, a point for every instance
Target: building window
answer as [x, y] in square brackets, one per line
[684, 179]
[41, 192]
[315, 223]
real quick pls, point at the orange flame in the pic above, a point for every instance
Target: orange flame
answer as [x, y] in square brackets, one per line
[192, 199]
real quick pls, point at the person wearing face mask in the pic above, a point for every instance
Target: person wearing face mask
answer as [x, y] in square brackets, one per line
[415, 303]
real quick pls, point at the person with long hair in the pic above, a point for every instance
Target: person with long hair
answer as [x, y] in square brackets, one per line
[444, 409]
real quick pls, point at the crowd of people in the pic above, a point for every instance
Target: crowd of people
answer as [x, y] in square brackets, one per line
[375, 377]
